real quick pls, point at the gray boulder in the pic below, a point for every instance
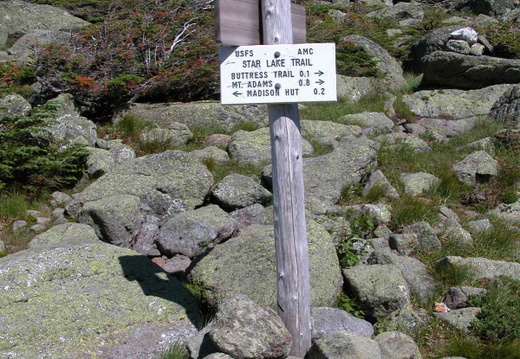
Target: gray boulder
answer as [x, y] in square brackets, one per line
[344, 345]
[246, 264]
[488, 7]
[326, 320]
[506, 109]
[381, 289]
[476, 168]
[325, 176]
[116, 219]
[167, 183]
[191, 232]
[448, 127]
[396, 345]
[457, 297]
[482, 267]
[386, 63]
[85, 298]
[420, 282]
[434, 41]
[450, 69]
[480, 225]
[255, 146]
[176, 134]
[200, 114]
[254, 214]
[416, 184]
[19, 17]
[454, 104]
[27, 48]
[14, 104]
[238, 191]
[508, 212]
[460, 318]
[371, 122]
[352, 88]
[212, 154]
[402, 13]
[99, 162]
[244, 329]
[426, 236]
[378, 180]
[328, 132]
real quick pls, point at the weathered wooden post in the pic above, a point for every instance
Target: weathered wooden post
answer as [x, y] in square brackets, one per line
[281, 75]
[292, 259]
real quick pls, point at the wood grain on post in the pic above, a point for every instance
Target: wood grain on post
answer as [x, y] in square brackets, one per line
[293, 286]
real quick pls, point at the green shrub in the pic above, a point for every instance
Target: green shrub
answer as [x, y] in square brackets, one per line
[504, 37]
[29, 159]
[499, 320]
[353, 60]
[140, 50]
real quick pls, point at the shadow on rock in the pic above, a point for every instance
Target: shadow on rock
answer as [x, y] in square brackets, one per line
[156, 282]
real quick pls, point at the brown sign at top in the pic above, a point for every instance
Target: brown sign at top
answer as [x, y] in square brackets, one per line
[238, 22]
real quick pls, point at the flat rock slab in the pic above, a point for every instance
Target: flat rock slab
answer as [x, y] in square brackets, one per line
[450, 69]
[200, 114]
[483, 267]
[88, 299]
[455, 104]
[460, 318]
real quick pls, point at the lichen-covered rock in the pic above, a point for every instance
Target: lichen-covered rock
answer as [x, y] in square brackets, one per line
[345, 345]
[254, 214]
[14, 104]
[238, 191]
[457, 297]
[481, 267]
[353, 88]
[371, 122]
[326, 320]
[20, 17]
[99, 162]
[386, 63]
[169, 182]
[453, 103]
[191, 232]
[88, 299]
[201, 114]
[115, 218]
[378, 180]
[244, 329]
[381, 289]
[326, 176]
[176, 134]
[416, 184]
[328, 132]
[255, 146]
[212, 154]
[450, 69]
[428, 240]
[460, 318]
[476, 168]
[403, 13]
[25, 48]
[506, 109]
[246, 264]
[396, 345]
[420, 282]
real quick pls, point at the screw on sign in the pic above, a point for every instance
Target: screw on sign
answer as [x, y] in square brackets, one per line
[278, 74]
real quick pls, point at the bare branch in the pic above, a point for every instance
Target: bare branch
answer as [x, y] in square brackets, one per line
[181, 36]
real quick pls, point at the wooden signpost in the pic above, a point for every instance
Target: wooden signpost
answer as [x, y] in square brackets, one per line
[280, 75]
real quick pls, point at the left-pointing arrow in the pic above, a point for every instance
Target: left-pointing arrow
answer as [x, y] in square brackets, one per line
[236, 93]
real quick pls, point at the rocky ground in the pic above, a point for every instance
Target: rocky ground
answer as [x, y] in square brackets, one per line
[146, 246]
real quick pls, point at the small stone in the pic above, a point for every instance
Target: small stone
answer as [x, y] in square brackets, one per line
[467, 34]
[177, 264]
[17, 225]
[477, 49]
[480, 225]
[38, 228]
[459, 46]
[460, 318]
[34, 213]
[58, 212]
